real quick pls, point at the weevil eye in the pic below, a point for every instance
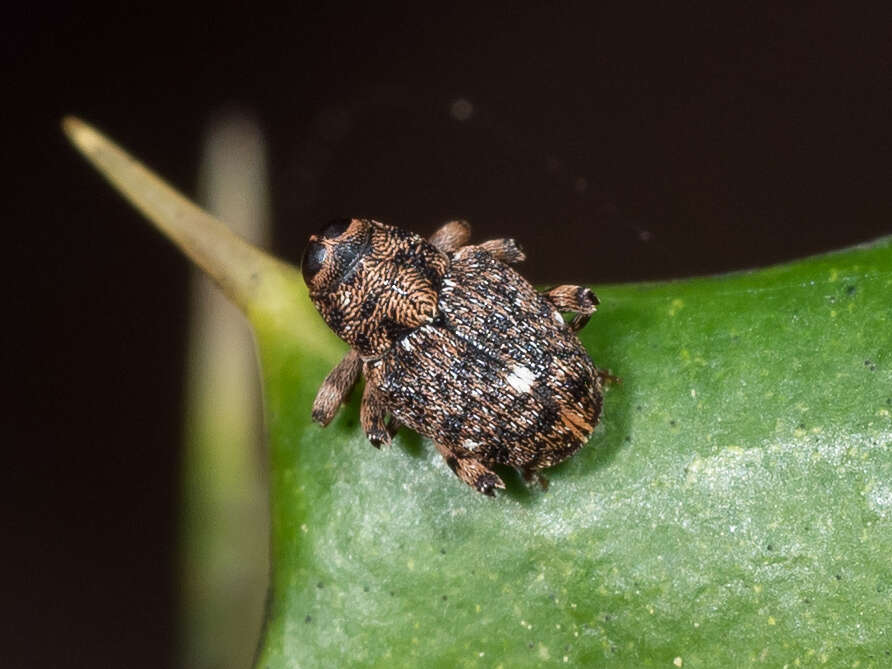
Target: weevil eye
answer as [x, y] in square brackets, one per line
[312, 261]
[316, 253]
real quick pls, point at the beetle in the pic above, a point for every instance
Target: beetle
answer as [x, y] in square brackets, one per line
[456, 345]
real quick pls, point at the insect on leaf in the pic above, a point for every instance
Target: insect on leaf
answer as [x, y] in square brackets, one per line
[733, 507]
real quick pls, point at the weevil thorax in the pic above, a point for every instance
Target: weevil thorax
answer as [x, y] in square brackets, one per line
[372, 283]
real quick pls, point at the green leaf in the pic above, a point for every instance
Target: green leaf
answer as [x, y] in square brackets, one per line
[733, 508]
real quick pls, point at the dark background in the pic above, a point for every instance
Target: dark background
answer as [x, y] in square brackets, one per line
[615, 145]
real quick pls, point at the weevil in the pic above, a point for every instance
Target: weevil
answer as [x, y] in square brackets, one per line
[456, 345]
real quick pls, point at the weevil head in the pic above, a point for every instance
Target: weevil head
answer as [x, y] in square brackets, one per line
[334, 253]
[371, 282]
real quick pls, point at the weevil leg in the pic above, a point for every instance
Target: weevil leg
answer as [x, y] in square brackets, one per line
[506, 250]
[607, 377]
[473, 472]
[336, 387]
[535, 476]
[393, 426]
[578, 299]
[373, 417]
[451, 236]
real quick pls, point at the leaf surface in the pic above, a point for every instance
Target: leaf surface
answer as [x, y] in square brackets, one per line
[733, 508]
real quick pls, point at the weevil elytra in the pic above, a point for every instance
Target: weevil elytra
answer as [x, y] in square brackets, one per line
[456, 345]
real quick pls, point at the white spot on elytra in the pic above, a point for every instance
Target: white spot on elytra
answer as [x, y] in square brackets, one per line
[521, 379]
[470, 444]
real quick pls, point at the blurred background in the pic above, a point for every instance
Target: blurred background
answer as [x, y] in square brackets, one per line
[615, 144]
